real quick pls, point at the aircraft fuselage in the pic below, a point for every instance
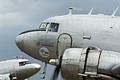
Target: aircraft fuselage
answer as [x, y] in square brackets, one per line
[76, 31]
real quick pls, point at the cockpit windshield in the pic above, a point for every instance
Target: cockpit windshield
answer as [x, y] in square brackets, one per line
[51, 27]
[43, 26]
[24, 63]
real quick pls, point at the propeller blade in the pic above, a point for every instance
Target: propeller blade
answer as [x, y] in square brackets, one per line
[56, 73]
[57, 69]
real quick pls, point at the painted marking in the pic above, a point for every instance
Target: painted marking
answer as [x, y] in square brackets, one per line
[47, 45]
[44, 52]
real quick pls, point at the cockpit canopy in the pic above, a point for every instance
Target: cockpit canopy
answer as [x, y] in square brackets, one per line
[24, 63]
[45, 26]
[51, 27]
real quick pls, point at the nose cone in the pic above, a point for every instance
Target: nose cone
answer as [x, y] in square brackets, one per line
[27, 71]
[36, 67]
[19, 41]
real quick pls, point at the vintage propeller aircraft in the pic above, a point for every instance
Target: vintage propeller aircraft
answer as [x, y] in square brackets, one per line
[82, 46]
[17, 69]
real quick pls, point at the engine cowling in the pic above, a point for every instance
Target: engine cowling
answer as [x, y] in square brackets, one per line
[8, 77]
[4, 77]
[90, 63]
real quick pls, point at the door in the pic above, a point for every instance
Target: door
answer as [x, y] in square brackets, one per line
[64, 42]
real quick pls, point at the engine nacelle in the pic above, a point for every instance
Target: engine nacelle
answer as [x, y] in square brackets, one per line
[90, 63]
[8, 77]
[4, 77]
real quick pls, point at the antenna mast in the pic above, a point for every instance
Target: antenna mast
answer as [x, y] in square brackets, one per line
[90, 11]
[70, 10]
[113, 14]
[73, 8]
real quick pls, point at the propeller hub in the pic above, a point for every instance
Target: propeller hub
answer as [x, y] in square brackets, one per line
[54, 62]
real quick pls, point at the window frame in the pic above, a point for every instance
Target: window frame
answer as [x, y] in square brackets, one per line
[45, 29]
[23, 63]
[48, 29]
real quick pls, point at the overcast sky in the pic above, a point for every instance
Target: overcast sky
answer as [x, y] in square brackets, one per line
[20, 15]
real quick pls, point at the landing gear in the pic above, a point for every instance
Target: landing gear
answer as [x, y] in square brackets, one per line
[44, 71]
[13, 77]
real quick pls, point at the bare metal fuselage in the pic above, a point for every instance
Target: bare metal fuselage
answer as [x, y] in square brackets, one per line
[82, 31]
[77, 31]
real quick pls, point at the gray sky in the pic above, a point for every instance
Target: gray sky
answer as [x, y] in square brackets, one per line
[20, 15]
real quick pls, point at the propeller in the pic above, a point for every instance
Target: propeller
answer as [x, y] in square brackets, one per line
[57, 69]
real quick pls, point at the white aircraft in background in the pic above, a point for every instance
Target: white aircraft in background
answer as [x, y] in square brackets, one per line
[17, 69]
[83, 46]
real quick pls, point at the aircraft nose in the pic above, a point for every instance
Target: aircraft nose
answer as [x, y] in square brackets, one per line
[19, 41]
[28, 70]
[37, 67]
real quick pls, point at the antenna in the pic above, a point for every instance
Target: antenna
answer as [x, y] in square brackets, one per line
[73, 8]
[113, 14]
[90, 11]
[70, 10]
[77, 9]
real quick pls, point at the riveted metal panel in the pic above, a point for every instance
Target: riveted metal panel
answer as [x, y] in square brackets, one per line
[92, 62]
[89, 61]
[64, 42]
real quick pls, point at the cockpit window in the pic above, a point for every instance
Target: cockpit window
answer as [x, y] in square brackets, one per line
[43, 26]
[24, 63]
[53, 27]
